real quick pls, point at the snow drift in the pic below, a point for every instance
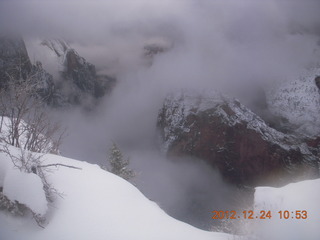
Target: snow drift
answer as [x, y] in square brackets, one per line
[301, 196]
[94, 204]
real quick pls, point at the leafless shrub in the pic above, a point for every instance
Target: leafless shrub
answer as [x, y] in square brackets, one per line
[25, 124]
[29, 126]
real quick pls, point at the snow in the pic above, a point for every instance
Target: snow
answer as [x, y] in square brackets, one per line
[95, 204]
[51, 53]
[27, 189]
[3, 169]
[303, 196]
[177, 107]
[298, 100]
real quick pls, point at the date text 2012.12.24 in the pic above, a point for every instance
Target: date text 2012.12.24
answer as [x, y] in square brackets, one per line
[263, 214]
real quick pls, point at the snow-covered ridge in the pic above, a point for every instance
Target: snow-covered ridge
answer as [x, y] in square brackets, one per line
[94, 204]
[57, 45]
[298, 100]
[52, 53]
[179, 105]
[98, 205]
[76, 80]
[61, 48]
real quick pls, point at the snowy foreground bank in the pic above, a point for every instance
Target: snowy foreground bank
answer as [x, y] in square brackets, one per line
[299, 216]
[95, 204]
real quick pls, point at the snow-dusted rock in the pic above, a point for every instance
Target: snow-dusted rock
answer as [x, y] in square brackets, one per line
[14, 59]
[77, 78]
[72, 80]
[298, 100]
[229, 136]
[15, 64]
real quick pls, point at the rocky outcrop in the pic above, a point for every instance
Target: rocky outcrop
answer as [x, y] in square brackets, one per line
[255, 98]
[154, 47]
[44, 84]
[79, 80]
[14, 59]
[314, 146]
[230, 137]
[297, 99]
[16, 65]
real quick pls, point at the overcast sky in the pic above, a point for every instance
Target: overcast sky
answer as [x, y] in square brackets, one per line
[220, 32]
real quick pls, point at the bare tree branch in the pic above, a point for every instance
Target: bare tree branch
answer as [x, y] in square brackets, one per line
[58, 164]
[28, 126]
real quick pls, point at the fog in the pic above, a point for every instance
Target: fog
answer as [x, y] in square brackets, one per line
[225, 44]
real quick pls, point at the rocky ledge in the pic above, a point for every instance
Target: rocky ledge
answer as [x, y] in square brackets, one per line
[230, 137]
[79, 80]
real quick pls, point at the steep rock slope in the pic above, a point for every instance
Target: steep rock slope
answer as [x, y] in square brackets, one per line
[298, 100]
[226, 134]
[16, 65]
[77, 79]
[14, 59]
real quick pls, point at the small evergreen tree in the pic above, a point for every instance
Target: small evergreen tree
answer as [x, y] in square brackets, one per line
[119, 165]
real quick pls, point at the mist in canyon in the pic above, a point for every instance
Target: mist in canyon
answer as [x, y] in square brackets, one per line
[229, 45]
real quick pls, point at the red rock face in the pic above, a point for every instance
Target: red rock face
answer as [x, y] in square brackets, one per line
[222, 135]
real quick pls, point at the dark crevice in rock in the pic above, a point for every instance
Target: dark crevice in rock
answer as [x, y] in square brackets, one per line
[317, 81]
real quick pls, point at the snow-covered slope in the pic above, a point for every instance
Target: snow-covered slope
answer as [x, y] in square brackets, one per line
[294, 198]
[298, 100]
[95, 204]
